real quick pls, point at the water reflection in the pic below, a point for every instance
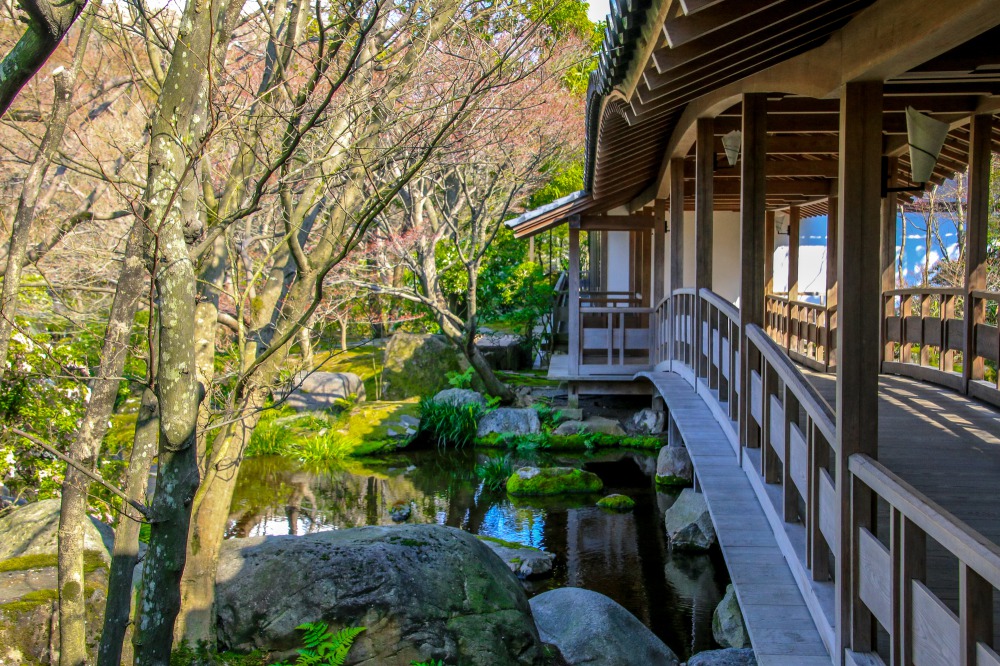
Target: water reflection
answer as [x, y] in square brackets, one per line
[624, 556]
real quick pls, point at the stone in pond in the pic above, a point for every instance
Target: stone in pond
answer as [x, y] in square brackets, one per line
[589, 628]
[728, 628]
[457, 397]
[529, 481]
[516, 421]
[647, 422]
[424, 592]
[616, 502]
[316, 391]
[400, 512]
[673, 467]
[524, 561]
[688, 522]
[727, 657]
[592, 424]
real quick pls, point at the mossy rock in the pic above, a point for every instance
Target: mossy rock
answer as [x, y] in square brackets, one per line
[418, 365]
[534, 481]
[620, 503]
[372, 426]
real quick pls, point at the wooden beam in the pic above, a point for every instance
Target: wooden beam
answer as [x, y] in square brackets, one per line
[704, 215]
[693, 6]
[832, 218]
[977, 226]
[794, 240]
[777, 145]
[676, 223]
[686, 28]
[769, 252]
[753, 202]
[858, 330]
[574, 295]
[785, 122]
[806, 168]
[888, 255]
[804, 188]
[659, 250]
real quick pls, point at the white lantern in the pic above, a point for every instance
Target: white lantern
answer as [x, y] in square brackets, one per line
[731, 143]
[926, 137]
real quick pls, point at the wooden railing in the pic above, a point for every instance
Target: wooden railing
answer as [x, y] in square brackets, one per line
[614, 339]
[718, 354]
[985, 336]
[924, 334]
[807, 331]
[891, 584]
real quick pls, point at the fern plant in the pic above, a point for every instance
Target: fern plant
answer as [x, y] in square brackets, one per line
[461, 380]
[321, 647]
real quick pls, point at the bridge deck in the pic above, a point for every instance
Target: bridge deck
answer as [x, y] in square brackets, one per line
[777, 617]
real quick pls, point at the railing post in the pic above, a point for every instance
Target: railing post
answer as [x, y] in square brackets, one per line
[794, 228]
[981, 130]
[704, 203]
[575, 329]
[676, 243]
[858, 331]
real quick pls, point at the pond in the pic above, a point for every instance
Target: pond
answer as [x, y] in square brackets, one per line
[624, 556]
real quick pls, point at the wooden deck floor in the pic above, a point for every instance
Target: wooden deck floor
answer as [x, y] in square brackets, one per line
[777, 618]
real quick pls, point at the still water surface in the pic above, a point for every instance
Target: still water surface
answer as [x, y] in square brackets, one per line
[624, 556]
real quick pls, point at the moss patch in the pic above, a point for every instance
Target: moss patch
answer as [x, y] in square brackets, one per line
[92, 561]
[365, 361]
[30, 601]
[617, 502]
[366, 427]
[576, 442]
[552, 481]
[506, 544]
[530, 378]
[671, 481]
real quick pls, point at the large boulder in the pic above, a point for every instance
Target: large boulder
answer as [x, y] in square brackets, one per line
[591, 424]
[673, 467]
[727, 657]
[533, 481]
[417, 365]
[688, 522]
[456, 397]
[728, 627]
[33, 529]
[316, 391]
[647, 422]
[516, 421]
[423, 592]
[589, 628]
[524, 561]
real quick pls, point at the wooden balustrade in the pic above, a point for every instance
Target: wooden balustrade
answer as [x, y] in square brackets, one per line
[924, 331]
[984, 382]
[614, 340]
[891, 585]
[807, 331]
[719, 355]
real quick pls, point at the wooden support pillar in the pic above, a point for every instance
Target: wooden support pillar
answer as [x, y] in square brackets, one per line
[574, 296]
[753, 217]
[890, 210]
[769, 252]
[794, 231]
[704, 202]
[858, 354]
[676, 242]
[977, 224]
[658, 324]
[829, 342]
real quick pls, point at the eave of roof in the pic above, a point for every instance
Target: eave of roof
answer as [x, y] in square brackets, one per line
[550, 215]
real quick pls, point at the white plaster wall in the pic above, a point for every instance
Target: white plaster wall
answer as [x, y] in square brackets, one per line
[619, 265]
[726, 257]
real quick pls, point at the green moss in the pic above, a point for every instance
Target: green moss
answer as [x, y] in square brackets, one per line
[505, 544]
[575, 442]
[30, 601]
[616, 503]
[92, 561]
[554, 481]
[671, 481]
[532, 378]
[121, 433]
[365, 361]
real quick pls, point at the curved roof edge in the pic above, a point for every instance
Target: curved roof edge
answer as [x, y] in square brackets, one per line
[550, 215]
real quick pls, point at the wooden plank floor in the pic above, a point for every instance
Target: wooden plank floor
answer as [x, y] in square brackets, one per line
[948, 447]
[777, 618]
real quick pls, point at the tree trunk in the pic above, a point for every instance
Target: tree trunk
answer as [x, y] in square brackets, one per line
[24, 218]
[87, 446]
[343, 334]
[125, 555]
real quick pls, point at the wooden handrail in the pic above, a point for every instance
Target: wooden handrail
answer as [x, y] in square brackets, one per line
[808, 397]
[721, 304]
[628, 310]
[986, 295]
[968, 545]
[925, 291]
[683, 291]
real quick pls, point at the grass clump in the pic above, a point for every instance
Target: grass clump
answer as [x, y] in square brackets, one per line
[621, 503]
[92, 561]
[575, 442]
[447, 424]
[529, 481]
[495, 472]
[504, 543]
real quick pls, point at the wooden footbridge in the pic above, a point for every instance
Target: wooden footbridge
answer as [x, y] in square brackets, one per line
[846, 439]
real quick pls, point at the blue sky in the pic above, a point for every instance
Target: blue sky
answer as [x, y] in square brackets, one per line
[597, 10]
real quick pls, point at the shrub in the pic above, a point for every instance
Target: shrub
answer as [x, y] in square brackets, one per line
[495, 472]
[446, 424]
